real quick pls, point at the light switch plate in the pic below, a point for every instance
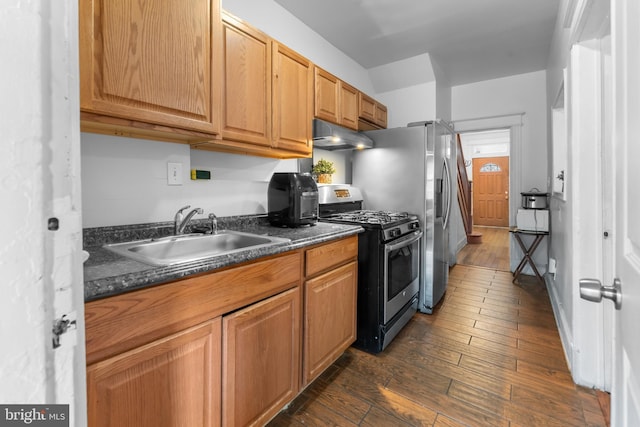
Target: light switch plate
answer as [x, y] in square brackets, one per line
[174, 173]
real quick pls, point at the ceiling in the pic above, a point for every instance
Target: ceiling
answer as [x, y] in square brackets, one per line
[468, 40]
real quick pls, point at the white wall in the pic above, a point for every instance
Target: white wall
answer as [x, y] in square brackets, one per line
[410, 104]
[443, 93]
[39, 179]
[523, 93]
[125, 181]
[22, 361]
[561, 236]
[401, 74]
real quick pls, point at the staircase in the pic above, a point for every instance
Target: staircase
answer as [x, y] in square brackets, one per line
[464, 197]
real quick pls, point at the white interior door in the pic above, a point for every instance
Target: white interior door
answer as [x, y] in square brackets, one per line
[626, 66]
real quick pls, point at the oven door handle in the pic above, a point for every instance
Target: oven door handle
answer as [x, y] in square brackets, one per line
[403, 241]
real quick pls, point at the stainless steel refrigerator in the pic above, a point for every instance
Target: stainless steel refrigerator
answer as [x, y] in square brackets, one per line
[410, 169]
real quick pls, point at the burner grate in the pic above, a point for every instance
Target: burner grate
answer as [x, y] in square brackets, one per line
[371, 217]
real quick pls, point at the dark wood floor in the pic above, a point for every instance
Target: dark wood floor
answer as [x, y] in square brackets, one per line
[490, 355]
[493, 252]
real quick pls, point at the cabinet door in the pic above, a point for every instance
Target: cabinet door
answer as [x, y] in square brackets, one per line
[154, 62]
[174, 381]
[329, 317]
[366, 107]
[327, 96]
[246, 98]
[348, 106]
[292, 100]
[381, 115]
[261, 356]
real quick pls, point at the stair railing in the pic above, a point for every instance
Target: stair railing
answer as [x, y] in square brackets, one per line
[464, 191]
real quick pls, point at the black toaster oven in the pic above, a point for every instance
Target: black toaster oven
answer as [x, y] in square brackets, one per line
[292, 199]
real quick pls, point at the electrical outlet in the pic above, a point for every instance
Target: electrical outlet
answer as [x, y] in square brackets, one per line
[174, 173]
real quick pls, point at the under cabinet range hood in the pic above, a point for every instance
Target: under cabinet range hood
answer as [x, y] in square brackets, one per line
[328, 136]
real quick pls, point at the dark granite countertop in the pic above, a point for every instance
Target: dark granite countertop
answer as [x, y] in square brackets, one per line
[107, 274]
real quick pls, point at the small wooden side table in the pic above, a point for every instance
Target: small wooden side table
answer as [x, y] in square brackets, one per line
[528, 251]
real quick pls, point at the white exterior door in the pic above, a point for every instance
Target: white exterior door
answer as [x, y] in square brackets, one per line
[626, 67]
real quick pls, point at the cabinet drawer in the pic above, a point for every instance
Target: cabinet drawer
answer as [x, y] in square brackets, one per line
[126, 321]
[322, 257]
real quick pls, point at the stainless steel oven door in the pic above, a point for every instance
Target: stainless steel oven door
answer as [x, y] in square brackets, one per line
[401, 272]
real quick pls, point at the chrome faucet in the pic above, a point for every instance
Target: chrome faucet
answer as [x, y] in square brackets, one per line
[181, 221]
[214, 223]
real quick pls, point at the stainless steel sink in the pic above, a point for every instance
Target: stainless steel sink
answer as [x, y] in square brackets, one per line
[192, 247]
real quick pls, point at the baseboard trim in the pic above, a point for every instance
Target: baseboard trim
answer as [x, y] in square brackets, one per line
[564, 327]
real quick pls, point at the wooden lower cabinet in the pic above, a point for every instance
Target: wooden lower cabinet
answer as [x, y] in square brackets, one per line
[227, 348]
[174, 381]
[261, 356]
[330, 318]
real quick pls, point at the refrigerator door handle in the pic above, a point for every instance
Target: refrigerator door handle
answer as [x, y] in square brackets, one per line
[449, 194]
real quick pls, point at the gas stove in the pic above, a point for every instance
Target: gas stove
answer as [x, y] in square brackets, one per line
[392, 224]
[388, 263]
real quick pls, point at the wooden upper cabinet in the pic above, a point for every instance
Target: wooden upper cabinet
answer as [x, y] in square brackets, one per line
[335, 100]
[371, 112]
[381, 115]
[327, 96]
[172, 381]
[267, 95]
[349, 106]
[246, 98]
[292, 81]
[150, 63]
[366, 108]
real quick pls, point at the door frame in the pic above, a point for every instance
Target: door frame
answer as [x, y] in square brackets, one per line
[514, 123]
[589, 338]
[586, 180]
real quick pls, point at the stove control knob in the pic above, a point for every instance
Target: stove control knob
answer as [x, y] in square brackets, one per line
[394, 232]
[414, 225]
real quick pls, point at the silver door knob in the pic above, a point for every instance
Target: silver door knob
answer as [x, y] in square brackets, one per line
[592, 290]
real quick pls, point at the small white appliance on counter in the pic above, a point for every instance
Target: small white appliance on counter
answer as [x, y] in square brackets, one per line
[533, 219]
